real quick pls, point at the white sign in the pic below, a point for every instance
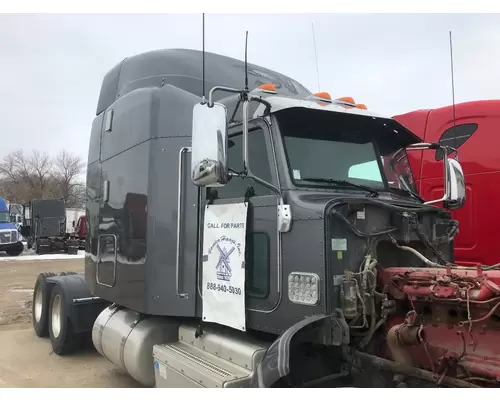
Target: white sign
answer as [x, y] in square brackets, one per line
[224, 236]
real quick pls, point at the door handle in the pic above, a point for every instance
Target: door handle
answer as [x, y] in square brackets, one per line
[180, 197]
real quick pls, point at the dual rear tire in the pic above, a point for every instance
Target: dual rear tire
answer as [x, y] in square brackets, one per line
[63, 338]
[40, 304]
[50, 315]
[73, 250]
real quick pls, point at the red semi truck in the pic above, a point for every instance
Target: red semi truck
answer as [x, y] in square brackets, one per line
[472, 128]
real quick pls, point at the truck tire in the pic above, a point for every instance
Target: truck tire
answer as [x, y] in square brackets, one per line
[15, 251]
[40, 305]
[44, 249]
[41, 247]
[63, 338]
[67, 273]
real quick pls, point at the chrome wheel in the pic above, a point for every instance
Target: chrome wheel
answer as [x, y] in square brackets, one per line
[55, 321]
[38, 304]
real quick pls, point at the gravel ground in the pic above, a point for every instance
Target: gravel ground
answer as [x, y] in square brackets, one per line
[27, 360]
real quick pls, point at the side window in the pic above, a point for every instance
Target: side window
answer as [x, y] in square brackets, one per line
[258, 268]
[259, 163]
[456, 136]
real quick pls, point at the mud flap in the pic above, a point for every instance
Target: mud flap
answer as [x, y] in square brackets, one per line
[81, 308]
[276, 362]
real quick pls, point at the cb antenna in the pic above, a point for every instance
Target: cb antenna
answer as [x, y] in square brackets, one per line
[453, 92]
[246, 62]
[452, 80]
[203, 57]
[315, 55]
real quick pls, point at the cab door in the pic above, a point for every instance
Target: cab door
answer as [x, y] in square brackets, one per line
[262, 275]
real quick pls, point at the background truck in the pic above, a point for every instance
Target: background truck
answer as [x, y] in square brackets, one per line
[44, 227]
[16, 214]
[263, 237]
[72, 217]
[472, 128]
[78, 232]
[10, 239]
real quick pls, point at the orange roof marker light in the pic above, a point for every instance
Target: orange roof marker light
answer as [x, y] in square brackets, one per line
[323, 95]
[268, 88]
[321, 98]
[361, 107]
[347, 99]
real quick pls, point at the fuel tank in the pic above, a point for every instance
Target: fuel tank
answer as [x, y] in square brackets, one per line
[126, 338]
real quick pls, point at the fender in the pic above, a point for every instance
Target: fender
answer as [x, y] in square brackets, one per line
[82, 308]
[276, 361]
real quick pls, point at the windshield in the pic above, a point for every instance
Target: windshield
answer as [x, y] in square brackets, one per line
[4, 217]
[321, 154]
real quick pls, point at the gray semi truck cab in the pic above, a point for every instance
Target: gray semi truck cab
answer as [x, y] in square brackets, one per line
[241, 239]
[44, 227]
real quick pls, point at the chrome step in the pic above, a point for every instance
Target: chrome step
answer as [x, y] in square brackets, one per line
[214, 360]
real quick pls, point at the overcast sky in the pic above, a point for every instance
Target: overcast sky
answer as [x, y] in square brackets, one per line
[52, 65]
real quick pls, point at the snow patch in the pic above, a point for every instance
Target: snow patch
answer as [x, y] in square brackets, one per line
[21, 290]
[36, 257]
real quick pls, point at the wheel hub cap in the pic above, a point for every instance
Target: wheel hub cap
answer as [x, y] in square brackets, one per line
[56, 316]
[38, 304]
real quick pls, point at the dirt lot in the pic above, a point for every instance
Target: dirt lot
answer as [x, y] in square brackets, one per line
[27, 360]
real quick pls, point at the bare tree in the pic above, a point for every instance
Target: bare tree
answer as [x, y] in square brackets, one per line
[24, 178]
[78, 197]
[67, 169]
[40, 167]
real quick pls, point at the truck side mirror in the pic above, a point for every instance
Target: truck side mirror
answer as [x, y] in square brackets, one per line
[455, 185]
[454, 190]
[209, 145]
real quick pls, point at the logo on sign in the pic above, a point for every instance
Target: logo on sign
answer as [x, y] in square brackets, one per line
[225, 248]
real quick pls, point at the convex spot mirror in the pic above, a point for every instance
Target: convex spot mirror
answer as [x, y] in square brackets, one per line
[455, 185]
[209, 145]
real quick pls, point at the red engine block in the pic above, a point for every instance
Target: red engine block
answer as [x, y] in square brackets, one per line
[459, 310]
